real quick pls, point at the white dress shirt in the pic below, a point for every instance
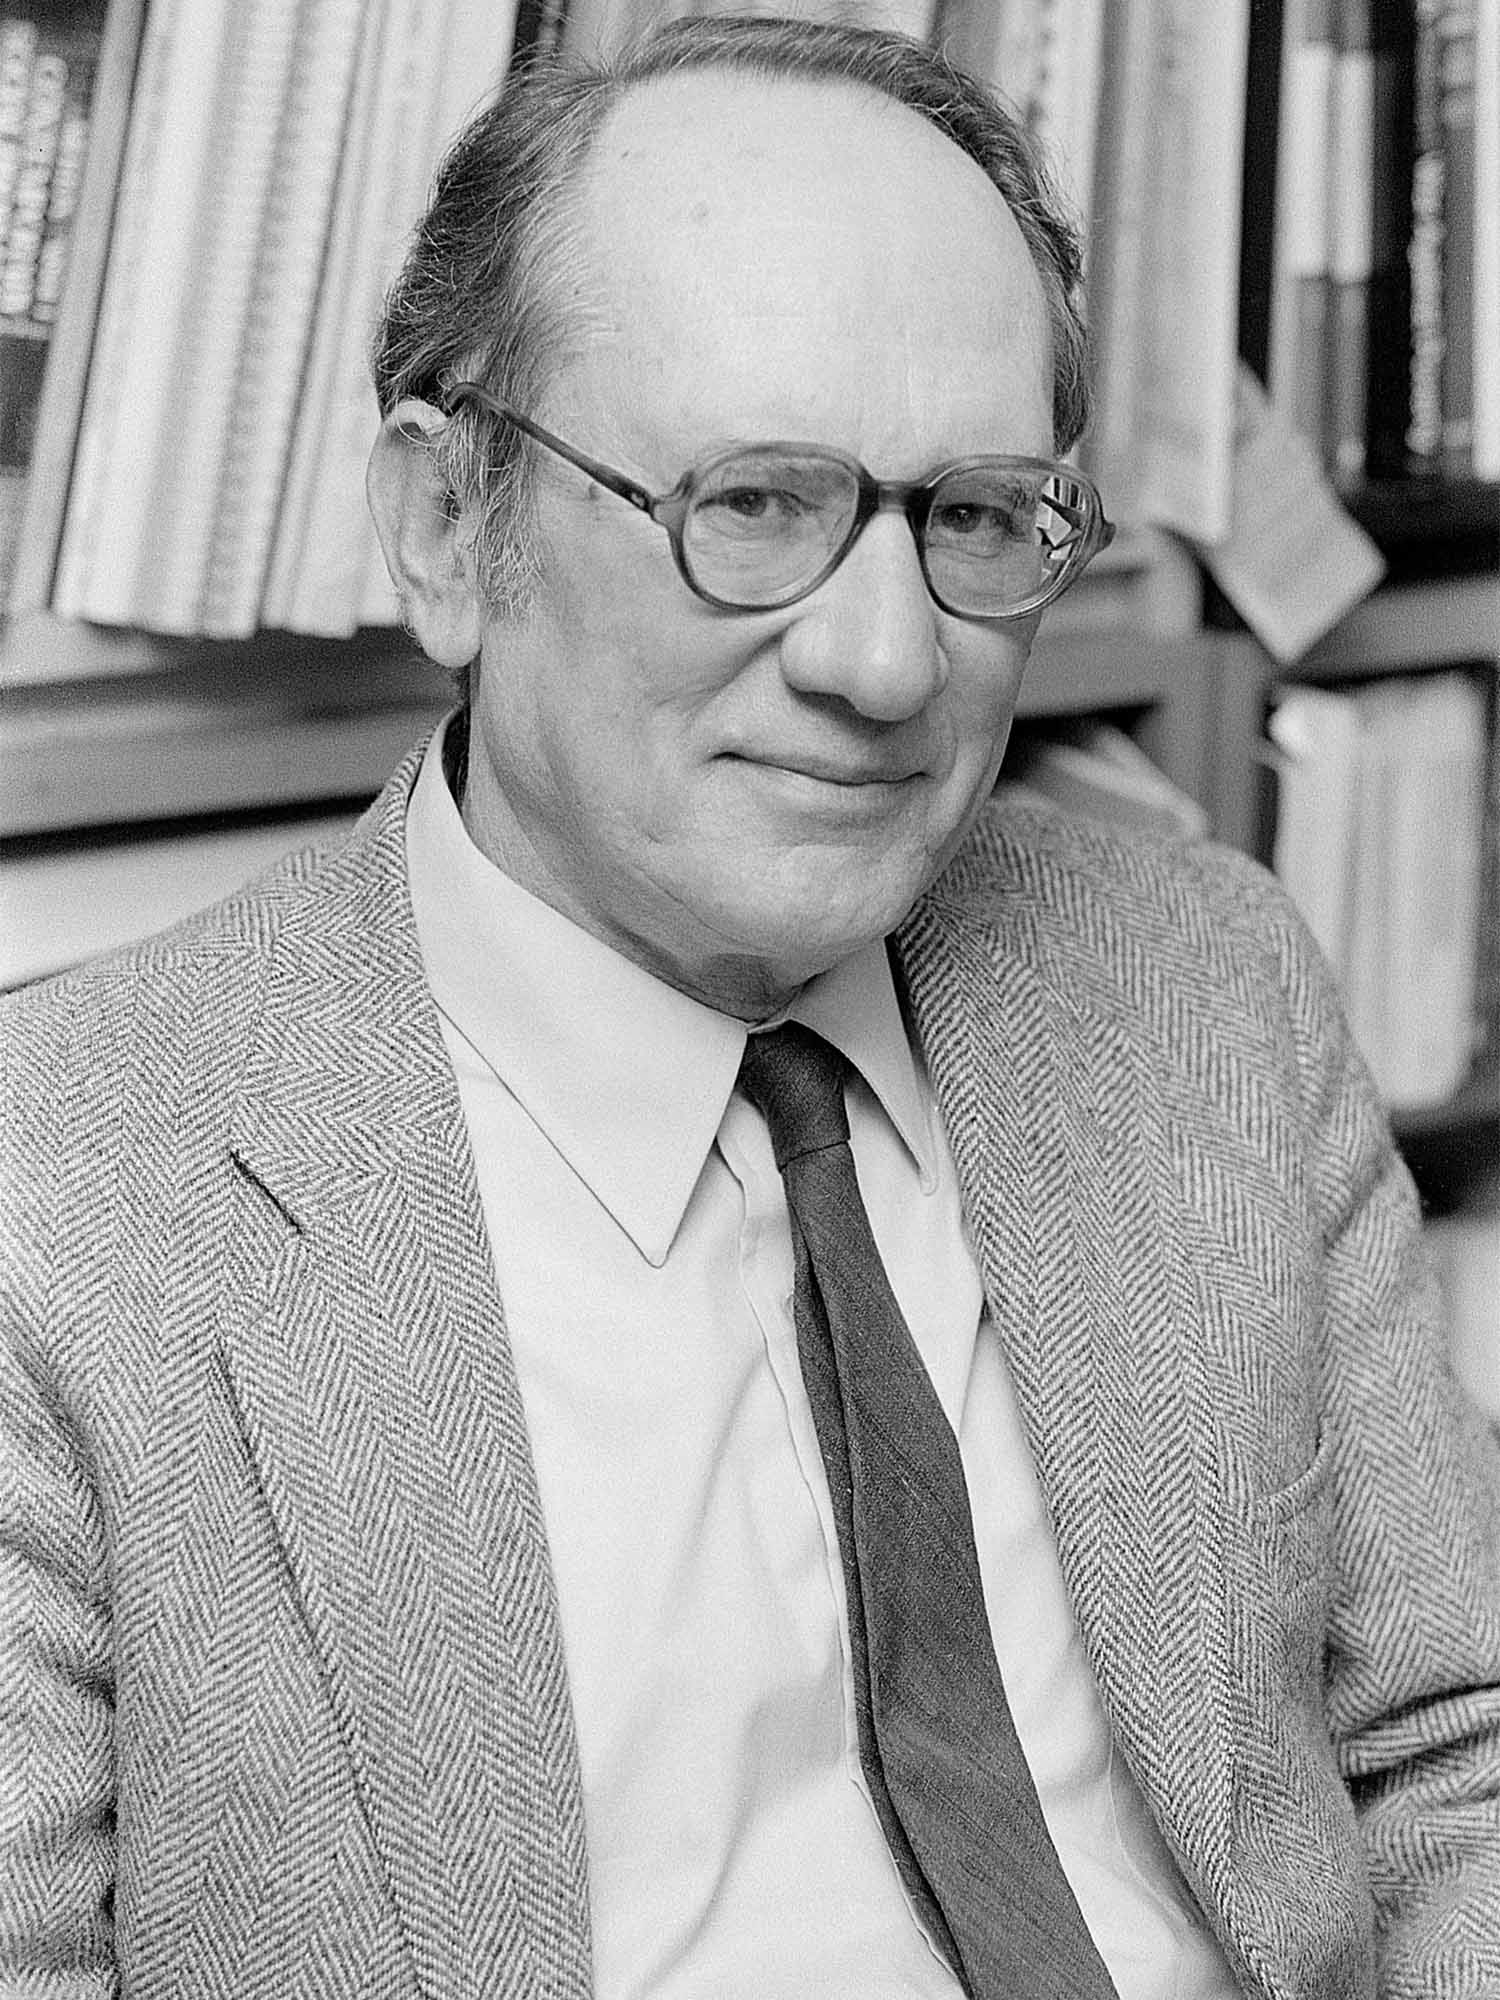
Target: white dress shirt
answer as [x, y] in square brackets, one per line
[643, 1254]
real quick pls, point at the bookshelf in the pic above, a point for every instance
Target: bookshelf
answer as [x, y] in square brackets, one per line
[1417, 624]
[1368, 261]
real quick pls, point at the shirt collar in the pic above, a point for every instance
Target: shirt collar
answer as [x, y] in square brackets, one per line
[627, 1077]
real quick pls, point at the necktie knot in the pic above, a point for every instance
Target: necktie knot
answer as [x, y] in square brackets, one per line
[795, 1080]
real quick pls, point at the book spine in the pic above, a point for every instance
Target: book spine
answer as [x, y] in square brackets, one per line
[1424, 423]
[18, 40]
[1300, 327]
[1487, 964]
[1388, 387]
[1351, 242]
[1119, 270]
[1315, 737]
[1368, 994]
[53, 137]
[1456, 93]
[1486, 302]
[67, 184]
[1436, 835]
[27, 222]
[1188, 402]
[261, 402]
[110, 46]
[1067, 95]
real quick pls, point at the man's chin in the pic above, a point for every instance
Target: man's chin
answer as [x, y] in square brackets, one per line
[766, 953]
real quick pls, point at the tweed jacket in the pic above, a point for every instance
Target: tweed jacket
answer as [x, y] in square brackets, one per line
[283, 1707]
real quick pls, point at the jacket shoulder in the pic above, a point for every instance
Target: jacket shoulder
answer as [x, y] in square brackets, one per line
[1087, 876]
[141, 1053]
[180, 966]
[1169, 938]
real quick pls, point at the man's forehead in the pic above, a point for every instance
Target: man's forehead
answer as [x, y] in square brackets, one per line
[676, 132]
[754, 187]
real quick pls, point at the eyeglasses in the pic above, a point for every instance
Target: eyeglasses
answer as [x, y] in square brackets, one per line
[757, 527]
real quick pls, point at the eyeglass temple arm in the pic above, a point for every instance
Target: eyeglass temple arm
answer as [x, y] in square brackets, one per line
[617, 482]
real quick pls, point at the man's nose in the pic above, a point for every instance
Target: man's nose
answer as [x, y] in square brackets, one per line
[869, 633]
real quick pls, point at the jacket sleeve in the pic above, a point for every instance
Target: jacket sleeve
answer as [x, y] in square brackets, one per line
[57, 1841]
[1413, 1653]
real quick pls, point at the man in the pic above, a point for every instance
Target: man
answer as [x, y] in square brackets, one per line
[423, 1573]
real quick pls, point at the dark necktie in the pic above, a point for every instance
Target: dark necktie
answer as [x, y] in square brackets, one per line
[939, 1749]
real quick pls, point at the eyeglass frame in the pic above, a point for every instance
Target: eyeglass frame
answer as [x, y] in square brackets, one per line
[912, 497]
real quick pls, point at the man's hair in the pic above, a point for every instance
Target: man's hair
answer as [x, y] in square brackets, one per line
[492, 290]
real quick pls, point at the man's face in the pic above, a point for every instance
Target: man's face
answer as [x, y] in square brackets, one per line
[738, 800]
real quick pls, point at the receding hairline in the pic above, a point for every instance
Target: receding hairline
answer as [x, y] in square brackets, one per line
[632, 92]
[593, 163]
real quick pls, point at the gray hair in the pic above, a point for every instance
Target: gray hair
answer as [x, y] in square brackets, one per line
[491, 289]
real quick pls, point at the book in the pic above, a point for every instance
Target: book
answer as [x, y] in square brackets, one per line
[18, 41]
[72, 339]
[1389, 304]
[1119, 272]
[1351, 240]
[69, 154]
[1426, 736]
[1379, 839]
[1314, 733]
[1185, 420]
[1426, 246]
[175, 250]
[1301, 278]
[1486, 265]
[1065, 95]
[263, 396]
[47, 79]
[204, 322]
[1456, 88]
[1487, 967]
[317, 545]
[31, 185]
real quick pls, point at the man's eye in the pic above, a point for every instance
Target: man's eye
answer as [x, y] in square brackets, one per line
[981, 521]
[755, 503]
[764, 513]
[968, 518]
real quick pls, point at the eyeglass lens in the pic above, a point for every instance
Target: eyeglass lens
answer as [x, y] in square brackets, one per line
[762, 523]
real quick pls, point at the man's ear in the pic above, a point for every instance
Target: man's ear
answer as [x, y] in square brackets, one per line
[418, 529]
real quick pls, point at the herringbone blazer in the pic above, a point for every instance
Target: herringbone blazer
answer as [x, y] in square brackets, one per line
[281, 1683]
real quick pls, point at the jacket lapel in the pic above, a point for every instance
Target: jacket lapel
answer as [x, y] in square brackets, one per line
[368, 1352]
[1047, 1099]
